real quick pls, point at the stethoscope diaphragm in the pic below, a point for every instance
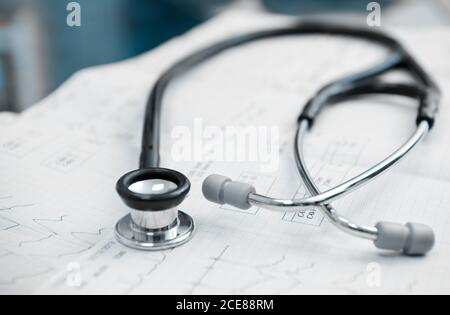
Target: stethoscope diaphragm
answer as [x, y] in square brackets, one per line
[155, 223]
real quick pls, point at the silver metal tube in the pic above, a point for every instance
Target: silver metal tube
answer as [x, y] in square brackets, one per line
[329, 211]
[339, 221]
[154, 219]
[294, 205]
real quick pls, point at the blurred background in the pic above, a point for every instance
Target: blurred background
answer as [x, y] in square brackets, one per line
[38, 50]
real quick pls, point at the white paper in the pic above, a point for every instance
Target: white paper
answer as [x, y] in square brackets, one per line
[61, 159]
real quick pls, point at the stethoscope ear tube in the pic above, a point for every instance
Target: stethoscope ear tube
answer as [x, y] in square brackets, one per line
[412, 239]
[428, 108]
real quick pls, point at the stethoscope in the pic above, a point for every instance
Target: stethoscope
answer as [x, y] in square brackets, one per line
[154, 193]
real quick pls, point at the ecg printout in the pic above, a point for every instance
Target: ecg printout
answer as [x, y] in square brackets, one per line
[60, 161]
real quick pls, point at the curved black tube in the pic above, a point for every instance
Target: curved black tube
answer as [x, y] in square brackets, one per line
[400, 59]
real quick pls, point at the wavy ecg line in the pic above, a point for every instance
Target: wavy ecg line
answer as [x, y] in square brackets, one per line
[143, 276]
[295, 276]
[266, 272]
[343, 284]
[41, 222]
[261, 270]
[53, 235]
[81, 251]
[77, 235]
[209, 269]
[35, 241]
[13, 225]
[15, 207]
[18, 278]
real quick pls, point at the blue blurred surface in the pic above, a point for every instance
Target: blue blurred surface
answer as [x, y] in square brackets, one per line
[2, 80]
[2, 76]
[114, 30]
[319, 6]
[111, 30]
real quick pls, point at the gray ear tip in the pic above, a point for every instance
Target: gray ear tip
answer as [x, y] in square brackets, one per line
[412, 239]
[222, 190]
[420, 241]
[212, 188]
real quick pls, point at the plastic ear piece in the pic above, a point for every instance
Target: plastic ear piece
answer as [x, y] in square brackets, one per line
[420, 241]
[212, 188]
[222, 190]
[412, 239]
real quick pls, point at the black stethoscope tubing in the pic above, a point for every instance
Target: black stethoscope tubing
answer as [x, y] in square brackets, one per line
[399, 59]
[147, 226]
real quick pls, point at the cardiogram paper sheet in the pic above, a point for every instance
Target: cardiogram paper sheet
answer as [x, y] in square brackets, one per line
[60, 161]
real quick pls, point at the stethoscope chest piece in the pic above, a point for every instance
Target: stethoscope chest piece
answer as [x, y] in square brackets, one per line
[155, 223]
[131, 235]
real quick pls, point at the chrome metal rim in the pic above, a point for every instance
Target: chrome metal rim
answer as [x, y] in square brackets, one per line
[133, 236]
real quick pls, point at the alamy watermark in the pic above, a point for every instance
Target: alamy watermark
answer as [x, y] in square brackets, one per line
[373, 279]
[73, 275]
[374, 17]
[227, 144]
[74, 15]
